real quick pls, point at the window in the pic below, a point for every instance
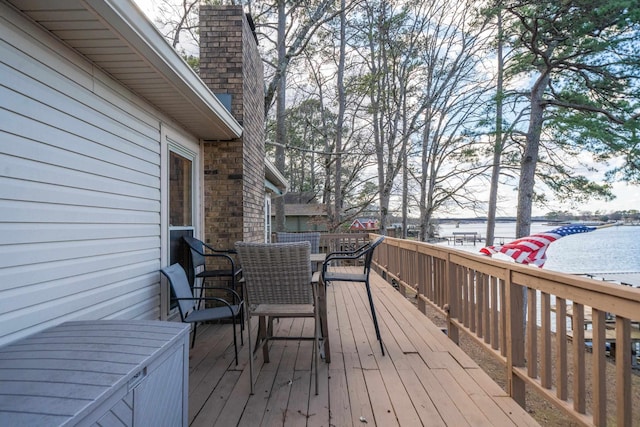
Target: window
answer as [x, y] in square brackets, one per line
[180, 191]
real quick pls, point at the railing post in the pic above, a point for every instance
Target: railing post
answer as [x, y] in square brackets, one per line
[515, 339]
[599, 368]
[623, 371]
[422, 278]
[452, 300]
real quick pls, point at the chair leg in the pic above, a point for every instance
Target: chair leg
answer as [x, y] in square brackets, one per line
[240, 315]
[193, 339]
[235, 340]
[373, 314]
[235, 285]
[250, 351]
[324, 328]
[316, 349]
[268, 335]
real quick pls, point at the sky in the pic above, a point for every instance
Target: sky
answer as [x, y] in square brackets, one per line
[627, 196]
[146, 6]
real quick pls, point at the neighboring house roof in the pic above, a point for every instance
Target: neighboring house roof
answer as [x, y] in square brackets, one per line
[310, 209]
[117, 37]
[297, 209]
[364, 224]
[300, 197]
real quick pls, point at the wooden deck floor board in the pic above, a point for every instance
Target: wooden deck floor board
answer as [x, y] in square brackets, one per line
[383, 410]
[422, 380]
[445, 406]
[210, 410]
[361, 325]
[423, 334]
[278, 401]
[319, 405]
[426, 410]
[339, 402]
[465, 404]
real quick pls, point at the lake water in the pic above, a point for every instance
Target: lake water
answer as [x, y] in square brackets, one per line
[609, 250]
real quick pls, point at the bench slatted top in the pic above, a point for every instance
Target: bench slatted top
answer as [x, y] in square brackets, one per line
[59, 375]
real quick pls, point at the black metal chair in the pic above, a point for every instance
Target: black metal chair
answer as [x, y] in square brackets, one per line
[188, 303]
[364, 253]
[200, 251]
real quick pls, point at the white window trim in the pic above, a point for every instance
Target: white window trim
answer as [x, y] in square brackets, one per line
[267, 218]
[172, 140]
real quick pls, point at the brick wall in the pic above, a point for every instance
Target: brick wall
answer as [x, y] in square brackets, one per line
[233, 170]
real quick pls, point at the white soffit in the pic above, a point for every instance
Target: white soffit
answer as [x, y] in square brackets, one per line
[117, 37]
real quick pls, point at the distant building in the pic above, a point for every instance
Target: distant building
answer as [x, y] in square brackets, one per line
[303, 213]
[368, 224]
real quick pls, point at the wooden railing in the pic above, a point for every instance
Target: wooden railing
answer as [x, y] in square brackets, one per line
[342, 241]
[483, 298]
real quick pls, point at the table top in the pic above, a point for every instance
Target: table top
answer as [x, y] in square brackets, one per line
[319, 257]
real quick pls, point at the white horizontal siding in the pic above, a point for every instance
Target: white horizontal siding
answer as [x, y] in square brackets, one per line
[80, 202]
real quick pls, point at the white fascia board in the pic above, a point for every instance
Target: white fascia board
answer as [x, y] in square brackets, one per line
[273, 175]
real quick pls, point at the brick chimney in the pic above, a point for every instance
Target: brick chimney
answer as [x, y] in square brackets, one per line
[230, 65]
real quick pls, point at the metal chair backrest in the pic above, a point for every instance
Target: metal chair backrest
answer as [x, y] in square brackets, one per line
[276, 273]
[368, 255]
[180, 286]
[197, 251]
[312, 237]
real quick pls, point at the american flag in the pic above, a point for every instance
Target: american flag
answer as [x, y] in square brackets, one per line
[532, 249]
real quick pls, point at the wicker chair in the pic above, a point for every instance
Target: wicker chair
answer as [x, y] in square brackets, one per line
[363, 253]
[312, 237]
[278, 285]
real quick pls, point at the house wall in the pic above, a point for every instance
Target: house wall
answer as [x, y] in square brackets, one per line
[80, 188]
[234, 170]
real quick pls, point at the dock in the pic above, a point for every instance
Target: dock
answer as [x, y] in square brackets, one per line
[625, 278]
[610, 333]
[463, 237]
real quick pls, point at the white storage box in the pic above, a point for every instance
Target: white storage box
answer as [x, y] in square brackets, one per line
[97, 373]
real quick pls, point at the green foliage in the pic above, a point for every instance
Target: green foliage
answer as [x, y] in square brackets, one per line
[590, 52]
[193, 61]
[306, 133]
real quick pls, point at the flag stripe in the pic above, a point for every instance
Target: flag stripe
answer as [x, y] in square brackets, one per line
[532, 249]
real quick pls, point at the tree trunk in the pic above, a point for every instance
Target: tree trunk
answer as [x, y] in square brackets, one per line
[530, 158]
[337, 210]
[498, 144]
[404, 153]
[424, 189]
[281, 115]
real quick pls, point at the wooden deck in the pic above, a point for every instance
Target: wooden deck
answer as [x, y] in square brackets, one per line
[424, 379]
